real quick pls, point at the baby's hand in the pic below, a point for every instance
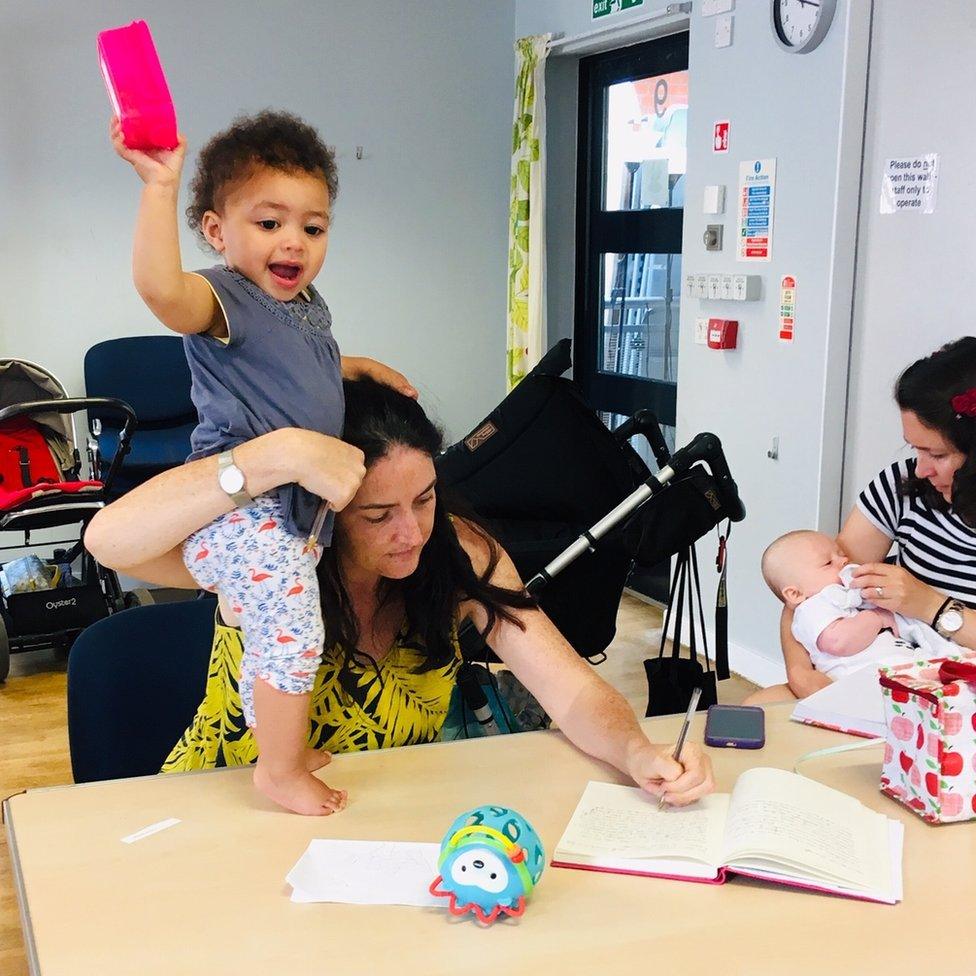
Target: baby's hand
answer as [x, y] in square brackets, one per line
[888, 620]
[156, 166]
[300, 791]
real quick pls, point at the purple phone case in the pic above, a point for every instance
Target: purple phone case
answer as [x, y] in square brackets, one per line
[733, 741]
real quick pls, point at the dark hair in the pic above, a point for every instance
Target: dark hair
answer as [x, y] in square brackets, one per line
[926, 388]
[278, 140]
[377, 419]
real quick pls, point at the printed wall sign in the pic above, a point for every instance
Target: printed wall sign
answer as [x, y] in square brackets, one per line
[787, 307]
[910, 185]
[757, 192]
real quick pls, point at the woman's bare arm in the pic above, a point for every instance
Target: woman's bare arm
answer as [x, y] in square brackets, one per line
[861, 540]
[900, 591]
[592, 714]
[141, 533]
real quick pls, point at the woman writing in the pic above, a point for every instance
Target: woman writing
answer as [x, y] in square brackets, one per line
[400, 576]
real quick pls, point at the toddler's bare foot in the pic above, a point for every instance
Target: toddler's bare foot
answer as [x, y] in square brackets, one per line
[316, 759]
[299, 791]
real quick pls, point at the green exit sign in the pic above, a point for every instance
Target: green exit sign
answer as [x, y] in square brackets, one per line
[602, 8]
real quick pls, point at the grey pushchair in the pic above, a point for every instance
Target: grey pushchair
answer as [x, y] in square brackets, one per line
[43, 486]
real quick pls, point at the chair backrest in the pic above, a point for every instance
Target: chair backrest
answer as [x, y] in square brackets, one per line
[150, 373]
[135, 680]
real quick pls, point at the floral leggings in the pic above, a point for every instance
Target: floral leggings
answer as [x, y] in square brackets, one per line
[267, 575]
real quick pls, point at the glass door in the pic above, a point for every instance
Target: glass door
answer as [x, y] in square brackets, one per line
[630, 199]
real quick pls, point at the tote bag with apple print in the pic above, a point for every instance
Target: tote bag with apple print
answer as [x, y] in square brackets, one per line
[930, 749]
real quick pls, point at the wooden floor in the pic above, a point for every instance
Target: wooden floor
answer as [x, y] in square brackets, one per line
[34, 735]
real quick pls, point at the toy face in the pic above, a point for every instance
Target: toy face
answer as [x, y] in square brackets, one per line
[491, 859]
[480, 868]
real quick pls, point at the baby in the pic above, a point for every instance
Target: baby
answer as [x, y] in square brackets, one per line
[841, 631]
[262, 356]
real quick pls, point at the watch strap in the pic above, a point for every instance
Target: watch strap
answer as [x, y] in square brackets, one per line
[225, 460]
[938, 613]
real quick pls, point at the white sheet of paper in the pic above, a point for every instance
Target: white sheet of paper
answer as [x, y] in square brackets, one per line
[366, 872]
[854, 702]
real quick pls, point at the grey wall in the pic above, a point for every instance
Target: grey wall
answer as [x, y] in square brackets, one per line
[913, 270]
[416, 267]
[807, 112]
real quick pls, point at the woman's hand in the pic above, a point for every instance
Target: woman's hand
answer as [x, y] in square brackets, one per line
[325, 466]
[161, 167]
[356, 367]
[895, 588]
[680, 782]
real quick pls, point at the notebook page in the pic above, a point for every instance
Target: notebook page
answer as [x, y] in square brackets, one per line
[618, 822]
[776, 817]
[852, 703]
[893, 895]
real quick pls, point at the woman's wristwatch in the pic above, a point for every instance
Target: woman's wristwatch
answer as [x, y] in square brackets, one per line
[948, 620]
[231, 479]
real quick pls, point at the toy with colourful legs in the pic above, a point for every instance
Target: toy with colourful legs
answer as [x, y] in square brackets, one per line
[491, 860]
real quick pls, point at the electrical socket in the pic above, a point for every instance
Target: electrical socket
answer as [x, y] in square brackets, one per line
[701, 331]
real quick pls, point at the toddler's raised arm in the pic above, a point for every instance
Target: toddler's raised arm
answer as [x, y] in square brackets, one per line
[183, 302]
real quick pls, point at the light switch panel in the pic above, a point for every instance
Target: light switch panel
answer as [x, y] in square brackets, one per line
[723, 30]
[713, 201]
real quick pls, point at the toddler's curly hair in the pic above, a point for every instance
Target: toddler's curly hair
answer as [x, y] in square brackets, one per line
[279, 140]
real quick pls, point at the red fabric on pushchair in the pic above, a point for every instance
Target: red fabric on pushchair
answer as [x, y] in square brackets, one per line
[28, 467]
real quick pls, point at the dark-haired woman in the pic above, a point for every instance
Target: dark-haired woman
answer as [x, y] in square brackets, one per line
[401, 573]
[924, 509]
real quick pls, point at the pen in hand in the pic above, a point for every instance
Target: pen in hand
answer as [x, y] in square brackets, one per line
[313, 539]
[692, 706]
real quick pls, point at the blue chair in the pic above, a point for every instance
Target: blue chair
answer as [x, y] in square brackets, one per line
[149, 373]
[135, 680]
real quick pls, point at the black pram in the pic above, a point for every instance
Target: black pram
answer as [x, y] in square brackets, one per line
[542, 468]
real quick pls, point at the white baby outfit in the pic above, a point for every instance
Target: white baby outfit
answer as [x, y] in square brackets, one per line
[840, 601]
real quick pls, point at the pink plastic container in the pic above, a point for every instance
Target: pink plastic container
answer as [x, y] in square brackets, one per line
[137, 87]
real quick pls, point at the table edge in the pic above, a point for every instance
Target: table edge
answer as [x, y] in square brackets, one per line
[33, 963]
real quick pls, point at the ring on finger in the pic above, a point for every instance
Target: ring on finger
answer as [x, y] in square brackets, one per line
[880, 591]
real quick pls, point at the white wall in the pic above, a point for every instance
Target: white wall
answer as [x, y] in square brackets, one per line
[913, 270]
[416, 268]
[807, 112]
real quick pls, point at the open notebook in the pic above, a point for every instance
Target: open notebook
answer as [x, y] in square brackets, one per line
[774, 825]
[852, 704]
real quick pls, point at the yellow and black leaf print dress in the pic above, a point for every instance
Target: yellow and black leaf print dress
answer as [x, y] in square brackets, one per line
[354, 707]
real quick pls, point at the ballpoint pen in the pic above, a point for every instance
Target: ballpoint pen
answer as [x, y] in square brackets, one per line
[313, 539]
[692, 706]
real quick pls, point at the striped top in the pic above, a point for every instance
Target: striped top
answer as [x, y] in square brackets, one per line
[936, 547]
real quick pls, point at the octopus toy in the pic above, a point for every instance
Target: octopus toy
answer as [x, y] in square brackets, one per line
[491, 859]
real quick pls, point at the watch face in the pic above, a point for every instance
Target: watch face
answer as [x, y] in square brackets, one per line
[951, 621]
[231, 480]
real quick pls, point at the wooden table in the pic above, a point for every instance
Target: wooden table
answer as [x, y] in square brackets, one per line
[208, 895]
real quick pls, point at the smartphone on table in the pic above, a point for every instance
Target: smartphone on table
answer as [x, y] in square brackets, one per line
[735, 727]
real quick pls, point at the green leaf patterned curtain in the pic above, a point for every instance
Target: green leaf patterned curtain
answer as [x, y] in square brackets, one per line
[527, 211]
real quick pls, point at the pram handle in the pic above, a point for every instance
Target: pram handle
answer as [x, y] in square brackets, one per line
[75, 405]
[705, 447]
[72, 405]
[645, 422]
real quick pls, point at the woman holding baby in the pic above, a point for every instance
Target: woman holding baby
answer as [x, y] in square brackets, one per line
[922, 510]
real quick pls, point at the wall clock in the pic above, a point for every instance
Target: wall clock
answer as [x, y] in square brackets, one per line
[800, 25]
